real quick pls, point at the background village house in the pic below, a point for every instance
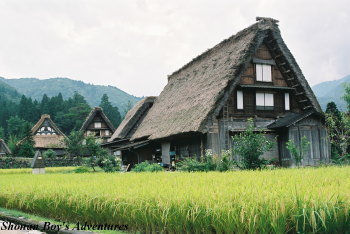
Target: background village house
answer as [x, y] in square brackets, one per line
[98, 124]
[4, 149]
[249, 75]
[47, 135]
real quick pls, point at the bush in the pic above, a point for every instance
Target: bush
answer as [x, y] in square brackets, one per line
[109, 163]
[298, 154]
[250, 145]
[146, 166]
[49, 154]
[209, 162]
[192, 165]
[82, 169]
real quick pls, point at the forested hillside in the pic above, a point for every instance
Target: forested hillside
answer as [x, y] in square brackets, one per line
[9, 93]
[329, 91]
[35, 88]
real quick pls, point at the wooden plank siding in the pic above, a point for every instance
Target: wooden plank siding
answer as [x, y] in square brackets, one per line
[315, 132]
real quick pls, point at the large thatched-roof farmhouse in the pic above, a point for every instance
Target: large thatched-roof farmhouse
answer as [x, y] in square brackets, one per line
[250, 75]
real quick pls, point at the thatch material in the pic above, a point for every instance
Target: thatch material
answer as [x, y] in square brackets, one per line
[197, 92]
[48, 141]
[91, 116]
[133, 119]
[4, 149]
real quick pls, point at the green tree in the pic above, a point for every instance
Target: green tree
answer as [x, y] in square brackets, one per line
[12, 143]
[2, 133]
[111, 112]
[339, 133]
[74, 144]
[45, 105]
[74, 115]
[346, 96]
[26, 145]
[17, 126]
[250, 145]
[334, 124]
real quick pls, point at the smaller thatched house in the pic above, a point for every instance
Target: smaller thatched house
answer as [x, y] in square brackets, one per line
[98, 124]
[47, 135]
[4, 149]
[120, 141]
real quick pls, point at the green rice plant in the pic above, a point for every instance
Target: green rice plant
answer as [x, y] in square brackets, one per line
[29, 170]
[306, 200]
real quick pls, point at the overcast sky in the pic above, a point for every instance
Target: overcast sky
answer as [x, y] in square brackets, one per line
[134, 45]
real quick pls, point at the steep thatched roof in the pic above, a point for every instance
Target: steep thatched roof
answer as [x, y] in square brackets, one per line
[91, 116]
[41, 121]
[133, 119]
[4, 149]
[197, 91]
[48, 141]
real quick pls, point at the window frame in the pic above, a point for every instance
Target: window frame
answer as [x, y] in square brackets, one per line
[239, 101]
[97, 123]
[286, 103]
[260, 70]
[264, 107]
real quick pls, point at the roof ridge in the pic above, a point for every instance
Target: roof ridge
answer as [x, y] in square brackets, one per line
[262, 24]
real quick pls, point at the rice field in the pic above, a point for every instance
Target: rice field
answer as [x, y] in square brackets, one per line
[29, 170]
[309, 200]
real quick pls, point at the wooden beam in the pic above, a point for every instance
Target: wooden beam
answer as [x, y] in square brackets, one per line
[301, 93]
[307, 107]
[286, 71]
[290, 79]
[305, 100]
[294, 86]
[279, 55]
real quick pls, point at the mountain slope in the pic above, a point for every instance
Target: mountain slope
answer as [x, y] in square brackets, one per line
[8, 92]
[35, 88]
[331, 91]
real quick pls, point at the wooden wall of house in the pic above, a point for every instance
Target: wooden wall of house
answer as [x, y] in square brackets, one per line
[316, 134]
[188, 146]
[97, 118]
[249, 94]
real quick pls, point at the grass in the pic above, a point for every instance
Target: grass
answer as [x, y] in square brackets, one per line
[276, 201]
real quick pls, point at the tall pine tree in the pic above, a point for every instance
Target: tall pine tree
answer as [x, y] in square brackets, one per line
[111, 112]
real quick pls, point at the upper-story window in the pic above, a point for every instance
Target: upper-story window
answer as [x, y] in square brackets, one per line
[239, 100]
[264, 101]
[286, 101]
[97, 125]
[263, 72]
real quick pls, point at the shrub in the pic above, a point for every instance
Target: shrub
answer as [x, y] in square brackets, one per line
[209, 162]
[192, 165]
[298, 154]
[109, 163]
[146, 166]
[82, 169]
[250, 145]
[49, 154]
